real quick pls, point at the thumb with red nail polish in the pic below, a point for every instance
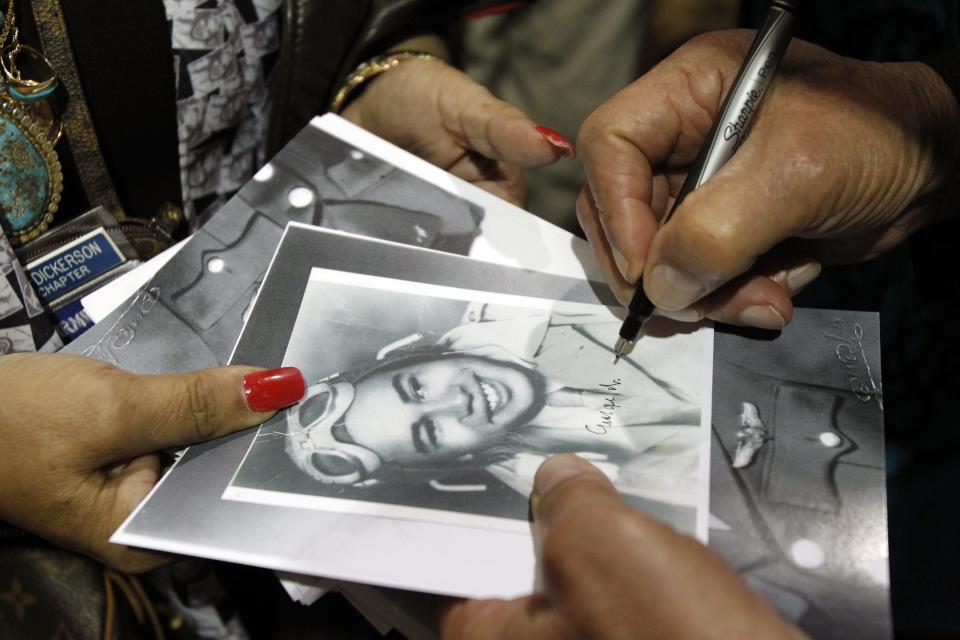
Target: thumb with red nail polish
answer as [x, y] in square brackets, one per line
[193, 407]
[185, 408]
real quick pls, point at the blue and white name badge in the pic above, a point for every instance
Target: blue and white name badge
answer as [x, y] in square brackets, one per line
[71, 266]
[72, 320]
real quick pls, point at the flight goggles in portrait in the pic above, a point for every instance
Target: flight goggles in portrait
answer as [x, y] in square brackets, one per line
[319, 444]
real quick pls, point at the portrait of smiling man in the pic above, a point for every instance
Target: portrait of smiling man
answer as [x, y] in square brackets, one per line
[461, 423]
[454, 404]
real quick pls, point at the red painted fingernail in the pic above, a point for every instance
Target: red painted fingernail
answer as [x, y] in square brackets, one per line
[274, 388]
[494, 10]
[560, 143]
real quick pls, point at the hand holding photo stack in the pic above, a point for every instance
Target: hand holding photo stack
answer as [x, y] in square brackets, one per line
[448, 353]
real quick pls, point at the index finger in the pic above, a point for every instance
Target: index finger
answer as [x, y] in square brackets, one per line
[619, 163]
[654, 126]
[497, 129]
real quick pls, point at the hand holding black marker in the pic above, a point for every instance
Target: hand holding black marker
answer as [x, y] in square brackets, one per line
[728, 132]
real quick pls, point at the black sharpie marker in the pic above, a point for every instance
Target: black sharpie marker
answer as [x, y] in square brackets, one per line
[728, 132]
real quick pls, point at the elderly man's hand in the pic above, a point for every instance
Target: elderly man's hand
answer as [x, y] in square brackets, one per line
[442, 115]
[834, 169]
[611, 572]
[79, 439]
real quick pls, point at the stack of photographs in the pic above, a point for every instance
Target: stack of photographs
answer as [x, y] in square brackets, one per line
[793, 425]
[437, 386]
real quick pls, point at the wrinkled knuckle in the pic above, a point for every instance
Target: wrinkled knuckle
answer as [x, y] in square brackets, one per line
[488, 104]
[599, 126]
[204, 414]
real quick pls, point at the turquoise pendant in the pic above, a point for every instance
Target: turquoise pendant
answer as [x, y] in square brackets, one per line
[30, 175]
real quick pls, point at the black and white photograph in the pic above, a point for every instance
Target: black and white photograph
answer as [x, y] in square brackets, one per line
[320, 179]
[467, 529]
[797, 496]
[439, 403]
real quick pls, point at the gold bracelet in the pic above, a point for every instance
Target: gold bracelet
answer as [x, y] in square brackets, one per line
[371, 69]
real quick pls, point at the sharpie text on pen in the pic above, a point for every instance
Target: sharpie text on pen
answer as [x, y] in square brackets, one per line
[607, 409]
[737, 128]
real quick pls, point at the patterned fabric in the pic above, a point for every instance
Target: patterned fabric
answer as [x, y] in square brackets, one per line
[223, 51]
[24, 325]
